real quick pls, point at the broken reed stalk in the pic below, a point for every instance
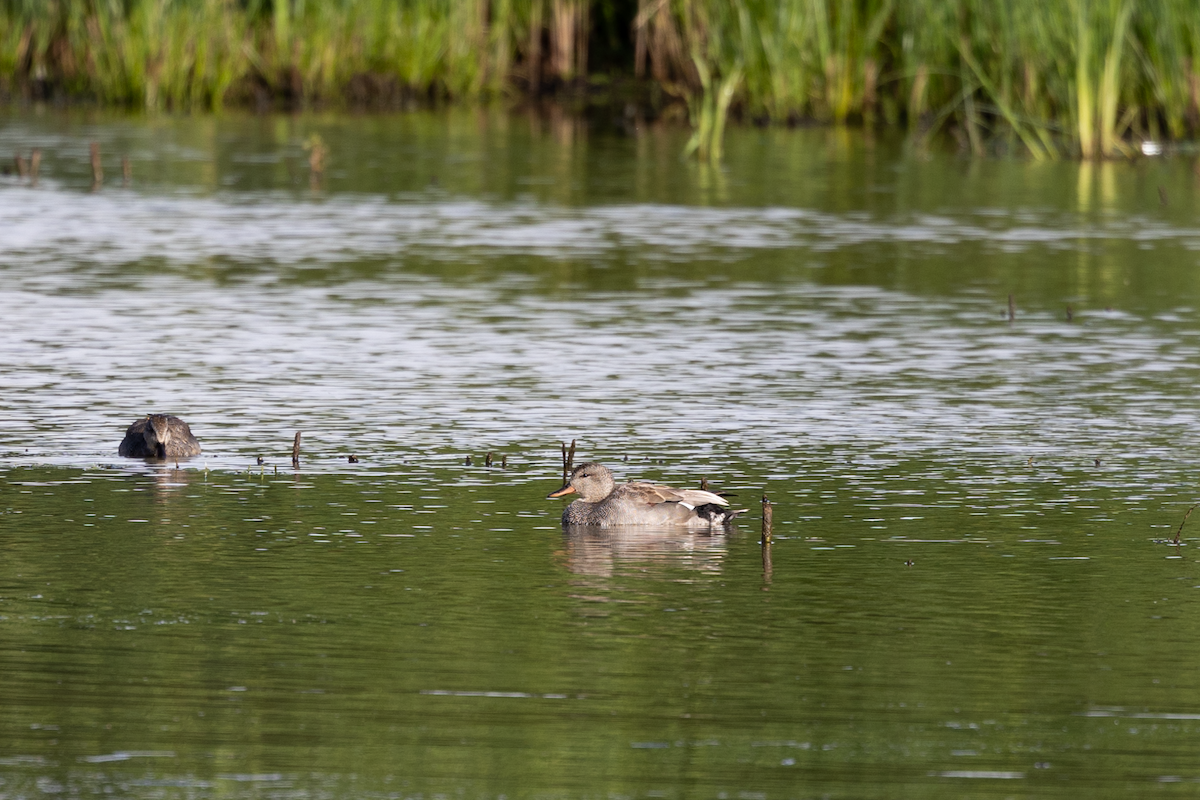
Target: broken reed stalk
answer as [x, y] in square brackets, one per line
[316, 154]
[97, 167]
[767, 566]
[296, 450]
[703, 484]
[1185, 519]
[35, 163]
[317, 151]
[22, 168]
[503, 462]
[568, 458]
[126, 171]
[487, 460]
[768, 514]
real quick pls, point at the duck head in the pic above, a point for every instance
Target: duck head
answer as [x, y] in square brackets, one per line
[157, 434]
[593, 482]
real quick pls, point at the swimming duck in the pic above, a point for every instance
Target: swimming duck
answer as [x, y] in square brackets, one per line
[159, 436]
[603, 504]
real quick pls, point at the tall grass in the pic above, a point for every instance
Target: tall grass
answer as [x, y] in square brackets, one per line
[1083, 77]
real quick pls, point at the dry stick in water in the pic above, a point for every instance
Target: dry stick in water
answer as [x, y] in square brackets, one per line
[766, 540]
[296, 450]
[487, 460]
[703, 484]
[22, 169]
[1185, 516]
[768, 513]
[503, 462]
[97, 168]
[35, 163]
[126, 171]
[317, 151]
[568, 457]
[316, 157]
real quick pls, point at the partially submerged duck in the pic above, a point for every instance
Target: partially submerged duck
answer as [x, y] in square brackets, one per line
[159, 436]
[604, 504]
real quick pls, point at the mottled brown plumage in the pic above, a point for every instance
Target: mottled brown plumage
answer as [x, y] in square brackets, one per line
[159, 436]
[604, 504]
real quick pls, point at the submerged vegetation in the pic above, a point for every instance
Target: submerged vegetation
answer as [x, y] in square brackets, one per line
[1081, 77]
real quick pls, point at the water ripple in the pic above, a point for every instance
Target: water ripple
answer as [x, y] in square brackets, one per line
[414, 363]
[48, 227]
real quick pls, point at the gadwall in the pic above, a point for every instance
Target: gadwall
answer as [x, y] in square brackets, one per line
[603, 504]
[159, 436]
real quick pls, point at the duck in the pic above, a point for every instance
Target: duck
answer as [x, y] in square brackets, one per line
[604, 504]
[159, 436]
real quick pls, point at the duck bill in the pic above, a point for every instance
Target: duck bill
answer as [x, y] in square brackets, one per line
[568, 489]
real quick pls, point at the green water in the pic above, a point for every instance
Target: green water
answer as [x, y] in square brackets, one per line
[968, 592]
[433, 633]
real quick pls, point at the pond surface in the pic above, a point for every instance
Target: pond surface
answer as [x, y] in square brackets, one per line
[968, 593]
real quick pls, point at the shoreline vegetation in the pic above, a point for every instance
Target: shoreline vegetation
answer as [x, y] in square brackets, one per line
[1080, 78]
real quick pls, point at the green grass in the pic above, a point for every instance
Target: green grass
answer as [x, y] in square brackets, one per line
[1081, 77]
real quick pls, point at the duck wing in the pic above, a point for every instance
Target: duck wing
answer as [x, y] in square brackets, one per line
[134, 443]
[654, 494]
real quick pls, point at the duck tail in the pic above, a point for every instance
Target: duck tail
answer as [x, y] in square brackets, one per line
[715, 514]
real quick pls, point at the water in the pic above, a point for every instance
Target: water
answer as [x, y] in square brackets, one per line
[968, 593]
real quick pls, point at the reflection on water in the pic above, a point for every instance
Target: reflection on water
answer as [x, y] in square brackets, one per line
[65, 228]
[171, 481]
[963, 596]
[604, 552]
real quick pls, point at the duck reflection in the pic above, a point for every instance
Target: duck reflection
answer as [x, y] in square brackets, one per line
[170, 482]
[604, 552]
